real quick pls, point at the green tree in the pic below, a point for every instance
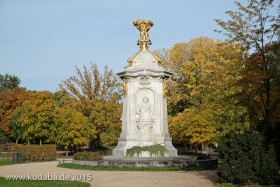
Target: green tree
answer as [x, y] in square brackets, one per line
[16, 130]
[99, 95]
[9, 81]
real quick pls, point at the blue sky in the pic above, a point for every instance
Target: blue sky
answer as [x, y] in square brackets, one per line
[41, 41]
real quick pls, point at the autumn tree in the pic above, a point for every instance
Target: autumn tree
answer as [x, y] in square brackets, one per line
[205, 73]
[262, 89]
[73, 129]
[10, 101]
[255, 26]
[193, 126]
[7, 94]
[99, 96]
[35, 120]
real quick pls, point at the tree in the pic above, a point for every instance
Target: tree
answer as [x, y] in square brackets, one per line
[73, 129]
[261, 88]
[9, 81]
[16, 130]
[255, 26]
[99, 96]
[10, 101]
[3, 137]
[35, 120]
[193, 126]
[200, 94]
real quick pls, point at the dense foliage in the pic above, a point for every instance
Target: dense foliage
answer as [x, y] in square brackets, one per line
[35, 152]
[247, 160]
[90, 156]
[9, 81]
[255, 27]
[153, 150]
[201, 95]
[10, 100]
[86, 110]
[98, 96]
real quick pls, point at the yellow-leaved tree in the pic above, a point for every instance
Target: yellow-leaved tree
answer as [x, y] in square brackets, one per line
[73, 129]
[99, 97]
[34, 120]
[200, 94]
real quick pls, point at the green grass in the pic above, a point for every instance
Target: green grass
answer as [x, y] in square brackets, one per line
[10, 162]
[226, 185]
[235, 185]
[35, 183]
[5, 162]
[110, 168]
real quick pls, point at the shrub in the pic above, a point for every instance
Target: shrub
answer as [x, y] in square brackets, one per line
[246, 159]
[35, 152]
[153, 150]
[6, 155]
[203, 157]
[91, 156]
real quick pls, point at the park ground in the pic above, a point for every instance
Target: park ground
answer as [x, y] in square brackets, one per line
[116, 178]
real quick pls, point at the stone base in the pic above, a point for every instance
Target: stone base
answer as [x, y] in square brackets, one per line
[113, 161]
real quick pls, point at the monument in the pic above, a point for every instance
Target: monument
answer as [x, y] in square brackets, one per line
[144, 117]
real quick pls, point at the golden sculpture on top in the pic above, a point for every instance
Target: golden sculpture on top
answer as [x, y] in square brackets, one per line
[143, 26]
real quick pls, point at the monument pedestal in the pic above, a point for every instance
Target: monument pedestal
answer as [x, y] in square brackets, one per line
[144, 117]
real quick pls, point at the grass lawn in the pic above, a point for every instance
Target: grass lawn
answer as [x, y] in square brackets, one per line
[235, 185]
[10, 162]
[110, 168]
[226, 185]
[35, 183]
[5, 162]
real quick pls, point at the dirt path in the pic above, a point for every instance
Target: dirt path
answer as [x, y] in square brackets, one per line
[114, 178]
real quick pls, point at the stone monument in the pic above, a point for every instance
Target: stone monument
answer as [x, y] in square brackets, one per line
[144, 117]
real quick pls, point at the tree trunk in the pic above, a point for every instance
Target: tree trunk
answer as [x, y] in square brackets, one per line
[185, 147]
[267, 110]
[206, 148]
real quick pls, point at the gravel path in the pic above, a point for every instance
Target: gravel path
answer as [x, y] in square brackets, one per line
[114, 178]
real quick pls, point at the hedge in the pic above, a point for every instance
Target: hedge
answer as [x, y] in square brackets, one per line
[35, 152]
[246, 159]
[91, 156]
[156, 150]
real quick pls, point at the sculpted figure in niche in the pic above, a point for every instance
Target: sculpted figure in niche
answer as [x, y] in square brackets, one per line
[145, 121]
[145, 110]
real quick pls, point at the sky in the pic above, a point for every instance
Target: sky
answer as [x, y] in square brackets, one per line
[41, 41]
